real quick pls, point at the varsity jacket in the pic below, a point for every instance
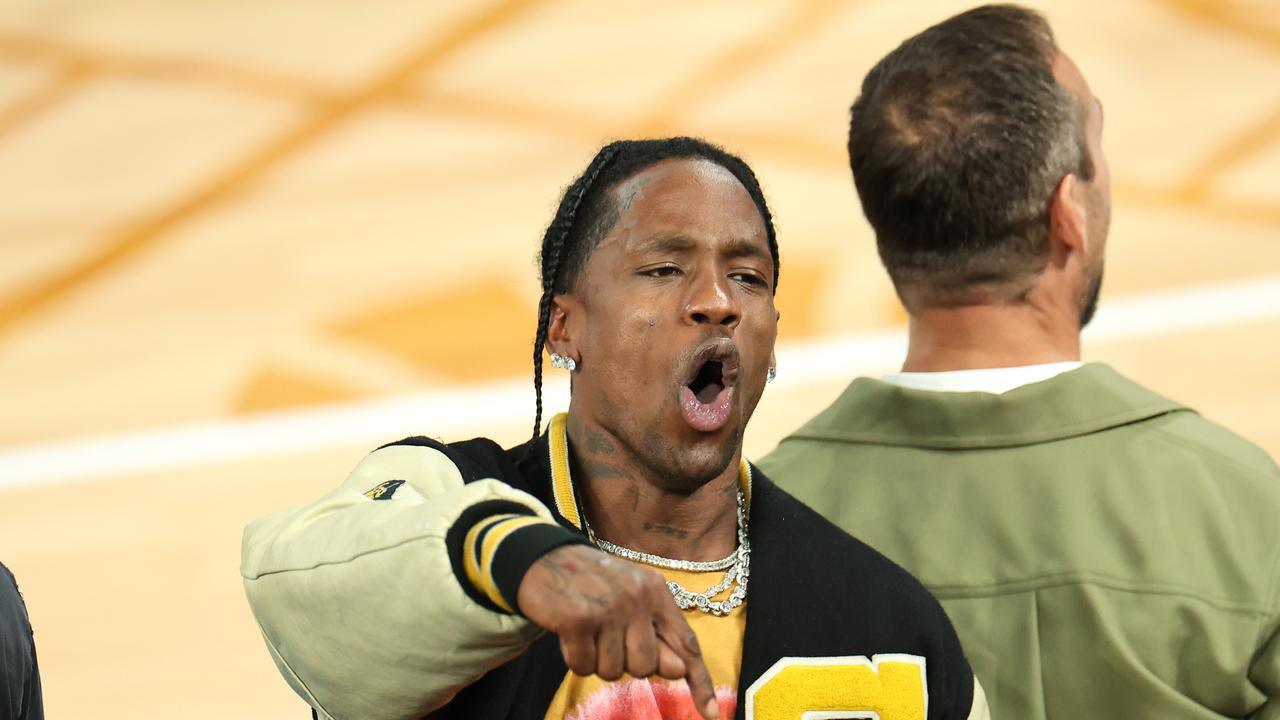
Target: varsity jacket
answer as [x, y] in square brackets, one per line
[1103, 551]
[378, 601]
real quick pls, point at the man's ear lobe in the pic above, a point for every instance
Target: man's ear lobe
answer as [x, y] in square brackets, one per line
[1068, 215]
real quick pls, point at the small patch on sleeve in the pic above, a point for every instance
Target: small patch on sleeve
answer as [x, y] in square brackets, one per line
[384, 491]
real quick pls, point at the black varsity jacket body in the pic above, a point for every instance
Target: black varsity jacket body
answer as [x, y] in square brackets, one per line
[370, 610]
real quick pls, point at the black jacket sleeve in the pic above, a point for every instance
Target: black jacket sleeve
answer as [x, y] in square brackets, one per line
[20, 697]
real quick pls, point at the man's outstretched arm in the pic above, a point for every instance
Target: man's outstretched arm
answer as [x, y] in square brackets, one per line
[362, 595]
[390, 594]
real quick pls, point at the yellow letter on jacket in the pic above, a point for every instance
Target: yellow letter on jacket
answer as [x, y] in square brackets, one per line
[891, 686]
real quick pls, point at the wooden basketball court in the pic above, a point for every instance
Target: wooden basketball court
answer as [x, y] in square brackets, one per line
[243, 243]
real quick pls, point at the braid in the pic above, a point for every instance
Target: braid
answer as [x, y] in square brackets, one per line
[553, 243]
[586, 215]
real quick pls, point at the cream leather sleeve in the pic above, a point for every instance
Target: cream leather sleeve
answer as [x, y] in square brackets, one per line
[357, 598]
[979, 709]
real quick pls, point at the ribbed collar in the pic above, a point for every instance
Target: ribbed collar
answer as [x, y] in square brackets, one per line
[1082, 401]
[564, 497]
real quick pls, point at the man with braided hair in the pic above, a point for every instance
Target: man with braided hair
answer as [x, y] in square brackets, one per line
[601, 570]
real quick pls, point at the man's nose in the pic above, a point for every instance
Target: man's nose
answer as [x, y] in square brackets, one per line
[712, 302]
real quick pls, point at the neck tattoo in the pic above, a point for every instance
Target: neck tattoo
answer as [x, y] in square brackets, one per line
[737, 565]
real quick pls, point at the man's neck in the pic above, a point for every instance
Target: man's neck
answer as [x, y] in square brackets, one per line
[988, 336]
[627, 506]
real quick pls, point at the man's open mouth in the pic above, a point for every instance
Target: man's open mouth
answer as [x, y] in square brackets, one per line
[706, 398]
[709, 381]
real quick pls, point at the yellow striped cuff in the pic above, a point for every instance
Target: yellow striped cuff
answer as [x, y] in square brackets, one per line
[480, 547]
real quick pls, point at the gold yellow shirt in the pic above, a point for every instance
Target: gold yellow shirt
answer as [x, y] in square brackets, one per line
[628, 698]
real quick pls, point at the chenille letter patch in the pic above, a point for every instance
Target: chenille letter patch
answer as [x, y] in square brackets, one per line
[887, 687]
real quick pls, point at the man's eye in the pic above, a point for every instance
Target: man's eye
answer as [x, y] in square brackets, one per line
[661, 271]
[749, 279]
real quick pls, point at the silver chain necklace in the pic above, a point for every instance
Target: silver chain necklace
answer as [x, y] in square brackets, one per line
[738, 565]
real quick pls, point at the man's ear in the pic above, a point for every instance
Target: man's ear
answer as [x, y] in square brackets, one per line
[562, 326]
[1068, 219]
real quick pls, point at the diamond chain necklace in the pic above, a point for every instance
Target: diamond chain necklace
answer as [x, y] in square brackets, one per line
[738, 564]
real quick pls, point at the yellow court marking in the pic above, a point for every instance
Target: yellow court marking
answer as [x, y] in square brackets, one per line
[1235, 151]
[150, 229]
[103, 62]
[1217, 208]
[273, 388]
[67, 79]
[489, 302]
[801, 20]
[1221, 14]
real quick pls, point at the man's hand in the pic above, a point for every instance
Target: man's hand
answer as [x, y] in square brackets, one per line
[613, 617]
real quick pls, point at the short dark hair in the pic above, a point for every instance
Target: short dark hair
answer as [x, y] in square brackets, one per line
[957, 142]
[588, 211]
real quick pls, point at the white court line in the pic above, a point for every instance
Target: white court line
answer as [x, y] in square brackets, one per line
[371, 422]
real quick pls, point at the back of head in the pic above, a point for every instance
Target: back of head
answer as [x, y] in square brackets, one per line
[957, 142]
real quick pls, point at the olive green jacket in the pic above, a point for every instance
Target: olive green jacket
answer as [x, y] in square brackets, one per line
[1102, 551]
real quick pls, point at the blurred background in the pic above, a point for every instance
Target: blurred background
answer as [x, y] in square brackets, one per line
[244, 242]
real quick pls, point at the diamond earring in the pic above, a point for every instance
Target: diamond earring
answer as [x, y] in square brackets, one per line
[773, 373]
[565, 363]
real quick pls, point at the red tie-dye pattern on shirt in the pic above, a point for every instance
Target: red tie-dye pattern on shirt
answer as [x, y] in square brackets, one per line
[648, 700]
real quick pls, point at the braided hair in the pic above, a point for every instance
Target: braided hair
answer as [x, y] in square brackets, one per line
[588, 211]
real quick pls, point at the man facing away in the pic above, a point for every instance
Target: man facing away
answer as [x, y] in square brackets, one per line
[631, 539]
[1102, 551]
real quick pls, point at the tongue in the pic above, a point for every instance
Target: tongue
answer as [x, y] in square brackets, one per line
[706, 416]
[708, 393]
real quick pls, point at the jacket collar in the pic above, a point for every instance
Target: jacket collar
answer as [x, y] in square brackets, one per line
[1082, 401]
[564, 500]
